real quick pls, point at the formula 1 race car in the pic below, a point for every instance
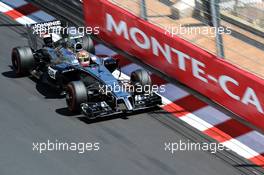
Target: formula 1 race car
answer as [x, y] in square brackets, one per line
[88, 81]
[53, 63]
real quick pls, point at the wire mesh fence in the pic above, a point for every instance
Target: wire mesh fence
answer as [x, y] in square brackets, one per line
[193, 22]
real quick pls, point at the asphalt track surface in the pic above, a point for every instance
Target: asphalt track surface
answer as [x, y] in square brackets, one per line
[128, 145]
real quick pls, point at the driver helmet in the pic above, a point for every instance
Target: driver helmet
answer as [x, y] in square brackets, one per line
[84, 58]
[47, 38]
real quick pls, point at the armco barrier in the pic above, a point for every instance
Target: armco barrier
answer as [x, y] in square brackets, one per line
[229, 86]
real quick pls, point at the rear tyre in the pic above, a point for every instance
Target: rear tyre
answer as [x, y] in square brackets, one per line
[88, 44]
[76, 94]
[141, 80]
[22, 60]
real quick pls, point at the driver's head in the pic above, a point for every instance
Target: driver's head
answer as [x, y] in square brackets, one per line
[47, 38]
[84, 58]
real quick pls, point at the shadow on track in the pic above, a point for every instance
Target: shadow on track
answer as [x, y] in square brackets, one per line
[65, 112]
[45, 90]
[9, 74]
[248, 165]
[179, 112]
[124, 116]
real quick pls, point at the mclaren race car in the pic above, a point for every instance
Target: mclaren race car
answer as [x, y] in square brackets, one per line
[92, 84]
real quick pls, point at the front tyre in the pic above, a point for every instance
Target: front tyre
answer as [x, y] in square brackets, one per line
[76, 94]
[141, 80]
[22, 60]
[88, 44]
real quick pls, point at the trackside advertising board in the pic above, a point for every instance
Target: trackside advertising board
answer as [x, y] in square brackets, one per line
[231, 87]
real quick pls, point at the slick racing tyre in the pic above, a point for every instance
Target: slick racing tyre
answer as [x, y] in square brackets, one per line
[88, 44]
[22, 60]
[141, 78]
[76, 94]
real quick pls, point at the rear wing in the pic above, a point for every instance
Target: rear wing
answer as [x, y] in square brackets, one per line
[49, 27]
[55, 28]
